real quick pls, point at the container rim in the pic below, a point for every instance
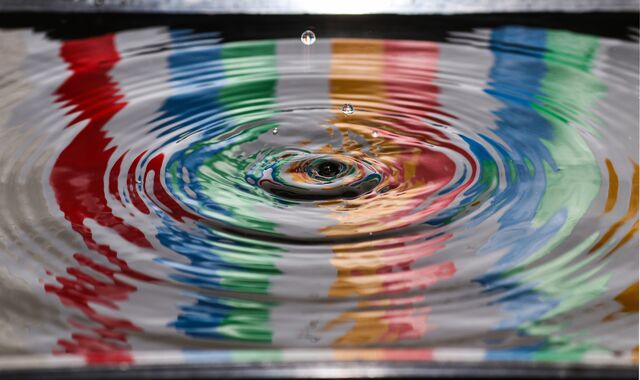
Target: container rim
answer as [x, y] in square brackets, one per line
[309, 363]
[326, 370]
[405, 7]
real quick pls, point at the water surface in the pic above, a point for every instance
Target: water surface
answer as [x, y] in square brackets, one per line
[164, 192]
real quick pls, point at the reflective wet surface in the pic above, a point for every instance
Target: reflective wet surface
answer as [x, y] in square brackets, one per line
[163, 189]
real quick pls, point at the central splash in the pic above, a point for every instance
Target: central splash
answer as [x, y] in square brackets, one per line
[301, 176]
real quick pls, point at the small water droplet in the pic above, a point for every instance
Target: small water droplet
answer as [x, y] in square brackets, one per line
[348, 109]
[308, 37]
[375, 134]
[274, 131]
[139, 180]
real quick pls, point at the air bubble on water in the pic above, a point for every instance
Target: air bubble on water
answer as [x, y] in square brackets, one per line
[348, 109]
[274, 131]
[308, 37]
[375, 134]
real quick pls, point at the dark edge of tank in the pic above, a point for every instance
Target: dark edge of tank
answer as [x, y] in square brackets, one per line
[619, 25]
[330, 370]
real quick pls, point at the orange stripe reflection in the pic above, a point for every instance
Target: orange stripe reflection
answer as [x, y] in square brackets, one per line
[383, 270]
[631, 213]
[613, 187]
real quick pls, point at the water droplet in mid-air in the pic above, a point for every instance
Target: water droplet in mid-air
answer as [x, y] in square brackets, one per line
[274, 131]
[375, 134]
[308, 37]
[348, 109]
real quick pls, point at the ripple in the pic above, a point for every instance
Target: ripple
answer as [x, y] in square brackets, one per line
[162, 188]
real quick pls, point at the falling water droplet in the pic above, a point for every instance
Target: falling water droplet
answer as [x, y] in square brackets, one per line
[308, 37]
[375, 134]
[274, 131]
[348, 109]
